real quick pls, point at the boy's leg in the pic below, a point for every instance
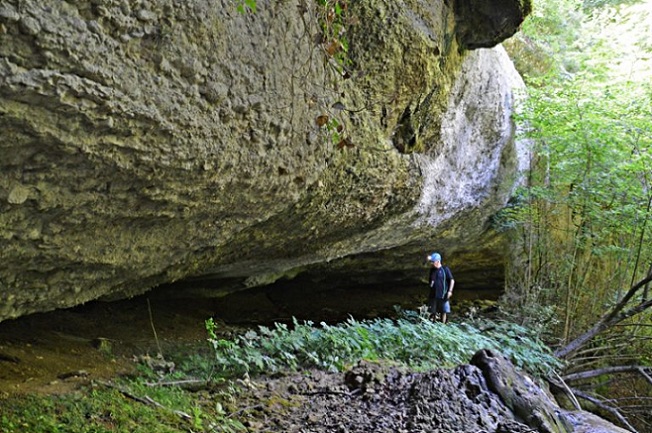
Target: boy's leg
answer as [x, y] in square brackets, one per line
[439, 308]
[445, 309]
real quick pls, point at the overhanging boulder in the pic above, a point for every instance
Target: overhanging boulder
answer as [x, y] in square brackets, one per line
[146, 142]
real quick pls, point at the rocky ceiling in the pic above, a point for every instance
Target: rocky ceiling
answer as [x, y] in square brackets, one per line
[150, 142]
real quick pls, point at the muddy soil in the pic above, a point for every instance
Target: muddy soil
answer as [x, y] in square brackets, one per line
[377, 397]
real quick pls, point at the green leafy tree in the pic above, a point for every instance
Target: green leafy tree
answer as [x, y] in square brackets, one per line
[583, 221]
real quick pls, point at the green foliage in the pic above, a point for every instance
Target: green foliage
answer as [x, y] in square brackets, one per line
[102, 410]
[122, 406]
[334, 130]
[584, 222]
[587, 211]
[590, 5]
[332, 19]
[554, 23]
[414, 342]
[243, 6]
[584, 219]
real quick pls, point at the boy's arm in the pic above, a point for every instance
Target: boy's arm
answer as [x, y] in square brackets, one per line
[450, 288]
[451, 284]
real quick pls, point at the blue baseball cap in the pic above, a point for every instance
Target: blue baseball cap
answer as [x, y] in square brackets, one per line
[434, 257]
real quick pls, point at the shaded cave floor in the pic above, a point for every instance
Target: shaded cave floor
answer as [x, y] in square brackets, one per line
[56, 352]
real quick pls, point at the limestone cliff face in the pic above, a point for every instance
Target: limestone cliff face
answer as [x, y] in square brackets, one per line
[147, 141]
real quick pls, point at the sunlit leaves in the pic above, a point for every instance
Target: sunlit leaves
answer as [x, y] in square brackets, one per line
[585, 217]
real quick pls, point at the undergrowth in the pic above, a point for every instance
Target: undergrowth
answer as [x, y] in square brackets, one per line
[412, 340]
[161, 402]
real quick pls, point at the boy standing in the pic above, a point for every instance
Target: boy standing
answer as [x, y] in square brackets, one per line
[441, 287]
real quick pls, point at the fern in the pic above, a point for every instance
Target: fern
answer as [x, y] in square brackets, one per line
[411, 341]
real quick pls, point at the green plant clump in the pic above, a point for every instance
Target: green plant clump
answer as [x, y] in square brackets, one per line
[148, 402]
[103, 410]
[414, 342]
[242, 6]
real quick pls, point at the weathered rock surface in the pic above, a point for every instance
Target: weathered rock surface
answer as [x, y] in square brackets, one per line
[374, 397]
[519, 393]
[148, 141]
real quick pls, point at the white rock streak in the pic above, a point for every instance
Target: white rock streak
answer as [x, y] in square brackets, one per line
[461, 171]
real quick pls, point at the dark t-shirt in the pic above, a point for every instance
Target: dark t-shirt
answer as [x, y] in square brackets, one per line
[439, 282]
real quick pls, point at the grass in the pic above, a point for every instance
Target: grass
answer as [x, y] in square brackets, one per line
[144, 403]
[94, 410]
[157, 402]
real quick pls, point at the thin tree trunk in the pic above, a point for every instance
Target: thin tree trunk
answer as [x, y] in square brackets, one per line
[646, 290]
[610, 370]
[568, 315]
[641, 241]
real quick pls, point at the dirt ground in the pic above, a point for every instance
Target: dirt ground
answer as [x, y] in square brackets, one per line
[55, 352]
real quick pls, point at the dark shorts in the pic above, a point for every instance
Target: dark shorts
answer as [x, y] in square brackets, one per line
[439, 306]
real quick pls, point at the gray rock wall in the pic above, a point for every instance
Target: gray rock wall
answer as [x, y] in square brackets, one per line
[143, 142]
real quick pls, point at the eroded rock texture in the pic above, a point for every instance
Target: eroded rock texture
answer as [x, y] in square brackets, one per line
[374, 397]
[147, 141]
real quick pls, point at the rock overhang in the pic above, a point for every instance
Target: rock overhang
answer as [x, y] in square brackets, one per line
[134, 155]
